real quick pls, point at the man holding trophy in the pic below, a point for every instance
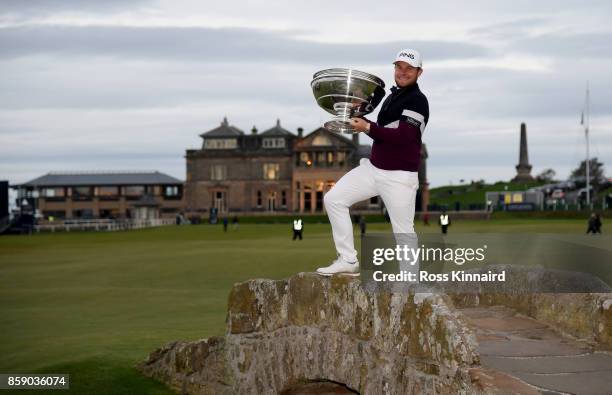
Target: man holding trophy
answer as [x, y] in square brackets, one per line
[391, 171]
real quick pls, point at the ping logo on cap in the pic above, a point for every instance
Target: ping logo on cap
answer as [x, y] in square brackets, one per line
[410, 56]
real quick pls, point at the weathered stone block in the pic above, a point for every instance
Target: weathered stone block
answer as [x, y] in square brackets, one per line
[309, 329]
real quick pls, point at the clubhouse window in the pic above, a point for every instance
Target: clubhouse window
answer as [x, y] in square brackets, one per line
[134, 191]
[274, 142]
[218, 172]
[305, 159]
[220, 143]
[108, 193]
[82, 193]
[172, 191]
[271, 171]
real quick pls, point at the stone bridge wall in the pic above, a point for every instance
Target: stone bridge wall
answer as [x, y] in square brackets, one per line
[284, 333]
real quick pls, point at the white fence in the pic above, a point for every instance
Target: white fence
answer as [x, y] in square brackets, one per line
[102, 225]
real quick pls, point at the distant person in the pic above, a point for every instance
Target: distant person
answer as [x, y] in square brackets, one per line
[362, 225]
[225, 224]
[444, 222]
[235, 222]
[297, 228]
[594, 224]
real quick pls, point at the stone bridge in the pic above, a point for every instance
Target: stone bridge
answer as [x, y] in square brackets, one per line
[311, 334]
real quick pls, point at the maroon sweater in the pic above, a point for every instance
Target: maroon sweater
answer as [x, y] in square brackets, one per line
[397, 133]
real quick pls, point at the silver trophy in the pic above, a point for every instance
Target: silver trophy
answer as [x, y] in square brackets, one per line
[346, 93]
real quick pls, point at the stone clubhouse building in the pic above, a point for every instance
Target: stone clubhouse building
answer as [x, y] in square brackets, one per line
[236, 173]
[274, 171]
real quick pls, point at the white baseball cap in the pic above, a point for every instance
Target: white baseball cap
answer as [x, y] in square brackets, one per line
[410, 56]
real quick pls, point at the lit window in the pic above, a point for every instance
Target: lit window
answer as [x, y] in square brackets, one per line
[321, 140]
[341, 157]
[271, 171]
[305, 158]
[320, 158]
[108, 191]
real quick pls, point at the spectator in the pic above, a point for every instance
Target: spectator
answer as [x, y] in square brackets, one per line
[444, 221]
[594, 224]
[297, 228]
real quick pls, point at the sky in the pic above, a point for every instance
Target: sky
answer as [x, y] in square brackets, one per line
[131, 84]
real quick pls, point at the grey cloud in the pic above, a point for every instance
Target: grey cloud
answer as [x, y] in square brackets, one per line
[474, 92]
[207, 44]
[508, 93]
[508, 30]
[519, 37]
[123, 84]
[60, 67]
[96, 154]
[568, 47]
[29, 8]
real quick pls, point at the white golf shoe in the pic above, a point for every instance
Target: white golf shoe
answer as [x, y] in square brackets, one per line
[340, 266]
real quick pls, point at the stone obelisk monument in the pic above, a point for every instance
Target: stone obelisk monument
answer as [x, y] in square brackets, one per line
[523, 169]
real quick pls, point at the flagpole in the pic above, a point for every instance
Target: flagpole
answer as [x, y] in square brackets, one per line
[586, 133]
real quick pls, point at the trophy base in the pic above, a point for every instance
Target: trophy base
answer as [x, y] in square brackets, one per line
[340, 125]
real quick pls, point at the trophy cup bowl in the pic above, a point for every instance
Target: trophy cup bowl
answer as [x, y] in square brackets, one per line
[346, 93]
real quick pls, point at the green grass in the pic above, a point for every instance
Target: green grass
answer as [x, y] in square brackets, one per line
[94, 304]
[550, 214]
[472, 193]
[475, 193]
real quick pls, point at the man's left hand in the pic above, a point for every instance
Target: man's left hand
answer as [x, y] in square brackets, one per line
[360, 124]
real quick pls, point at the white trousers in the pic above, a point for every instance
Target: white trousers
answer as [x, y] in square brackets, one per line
[397, 188]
